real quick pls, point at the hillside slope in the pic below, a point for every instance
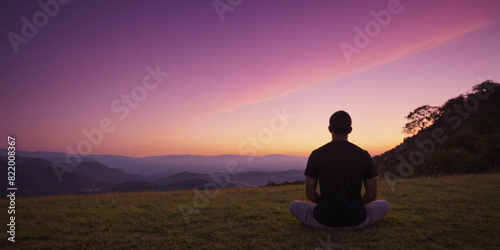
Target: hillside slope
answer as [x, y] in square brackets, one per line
[457, 212]
[464, 139]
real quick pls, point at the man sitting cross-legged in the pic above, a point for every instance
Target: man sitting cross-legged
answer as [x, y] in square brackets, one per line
[341, 167]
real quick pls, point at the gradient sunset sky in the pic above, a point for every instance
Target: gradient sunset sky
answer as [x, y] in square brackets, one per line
[228, 78]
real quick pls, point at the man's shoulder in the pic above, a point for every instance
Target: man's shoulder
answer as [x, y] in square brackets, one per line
[356, 147]
[339, 145]
[323, 148]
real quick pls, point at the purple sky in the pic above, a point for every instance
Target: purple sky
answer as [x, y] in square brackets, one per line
[228, 78]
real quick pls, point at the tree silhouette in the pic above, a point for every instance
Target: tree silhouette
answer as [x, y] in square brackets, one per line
[422, 117]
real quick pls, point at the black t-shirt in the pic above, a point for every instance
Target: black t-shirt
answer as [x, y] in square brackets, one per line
[341, 168]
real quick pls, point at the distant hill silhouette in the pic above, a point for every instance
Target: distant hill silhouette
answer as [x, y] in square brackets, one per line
[464, 138]
[36, 177]
[257, 178]
[180, 177]
[250, 178]
[100, 172]
[165, 165]
[285, 183]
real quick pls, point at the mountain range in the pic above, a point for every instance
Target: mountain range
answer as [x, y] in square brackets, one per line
[36, 175]
[171, 164]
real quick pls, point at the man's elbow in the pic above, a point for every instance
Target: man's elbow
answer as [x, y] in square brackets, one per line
[369, 197]
[311, 196]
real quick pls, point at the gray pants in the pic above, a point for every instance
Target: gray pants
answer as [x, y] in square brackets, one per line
[303, 211]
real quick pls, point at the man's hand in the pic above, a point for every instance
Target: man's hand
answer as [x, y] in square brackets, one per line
[371, 190]
[311, 193]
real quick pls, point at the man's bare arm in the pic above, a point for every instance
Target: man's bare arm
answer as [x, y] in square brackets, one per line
[371, 190]
[311, 193]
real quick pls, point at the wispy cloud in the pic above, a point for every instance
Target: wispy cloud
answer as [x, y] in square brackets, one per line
[444, 24]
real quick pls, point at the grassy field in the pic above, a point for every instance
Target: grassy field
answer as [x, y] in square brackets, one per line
[452, 212]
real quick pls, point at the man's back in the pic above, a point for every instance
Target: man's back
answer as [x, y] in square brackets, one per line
[341, 168]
